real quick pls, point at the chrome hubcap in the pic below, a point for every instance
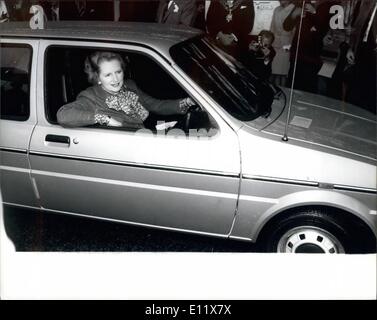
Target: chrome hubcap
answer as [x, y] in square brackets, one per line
[307, 239]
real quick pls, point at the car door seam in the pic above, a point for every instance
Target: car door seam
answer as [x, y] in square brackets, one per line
[32, 179]
[239, 186]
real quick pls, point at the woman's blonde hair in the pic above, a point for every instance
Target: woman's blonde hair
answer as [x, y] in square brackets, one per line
[93, 61]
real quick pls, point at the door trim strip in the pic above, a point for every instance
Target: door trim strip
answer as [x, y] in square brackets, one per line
[134, 164]
[139, 185]
[9, 168]
[14, 150]
[280, 180]
[310, 184]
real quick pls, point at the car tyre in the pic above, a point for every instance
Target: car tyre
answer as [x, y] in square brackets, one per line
[316, 231]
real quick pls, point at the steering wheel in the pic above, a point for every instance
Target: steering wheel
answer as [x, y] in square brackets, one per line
[194, 108]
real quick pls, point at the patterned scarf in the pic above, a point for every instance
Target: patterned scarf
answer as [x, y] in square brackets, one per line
[128, 102]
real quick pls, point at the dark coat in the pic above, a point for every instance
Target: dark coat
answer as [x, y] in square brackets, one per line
[259, 64]
[92, 10]
[92, 101]
[360, 26]
[138, 11]
[314, 29]
[21, 13]
[241, 24]
[47, 8]
[185, 12]
[361, 77]
[200, 21]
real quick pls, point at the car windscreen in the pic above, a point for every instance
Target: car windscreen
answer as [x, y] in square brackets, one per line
[226, 80]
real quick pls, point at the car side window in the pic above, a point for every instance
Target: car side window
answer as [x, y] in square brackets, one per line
[15, 81]
[65, 78]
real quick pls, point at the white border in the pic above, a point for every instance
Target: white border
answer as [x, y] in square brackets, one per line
[178, 276]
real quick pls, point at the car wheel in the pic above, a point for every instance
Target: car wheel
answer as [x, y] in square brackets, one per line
[315, 231]
[309, 239]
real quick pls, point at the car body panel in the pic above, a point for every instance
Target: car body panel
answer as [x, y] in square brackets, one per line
[277, 176]
[15, 136]
[16, 185]
[130, 177]
[261, 200]
[137, 194]
[322, 121]
[158, 36]
[267, 155]
[175, 182]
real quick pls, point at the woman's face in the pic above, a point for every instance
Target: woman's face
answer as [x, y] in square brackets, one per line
[111, 75]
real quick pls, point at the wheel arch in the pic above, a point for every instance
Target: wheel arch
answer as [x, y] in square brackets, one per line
[343, 206]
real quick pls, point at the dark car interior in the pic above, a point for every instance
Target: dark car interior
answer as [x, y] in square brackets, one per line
[15, 81]
[14, 94]
[65, 79]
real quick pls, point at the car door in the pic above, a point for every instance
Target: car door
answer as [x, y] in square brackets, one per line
[151, 179]
[18, 118]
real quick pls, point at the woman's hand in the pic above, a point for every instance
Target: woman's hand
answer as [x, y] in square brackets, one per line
[185, 104]
[104, 119]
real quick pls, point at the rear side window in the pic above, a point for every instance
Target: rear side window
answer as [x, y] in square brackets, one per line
[15, 63]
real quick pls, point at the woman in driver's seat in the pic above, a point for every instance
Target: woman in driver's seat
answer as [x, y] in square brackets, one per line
[113, 100]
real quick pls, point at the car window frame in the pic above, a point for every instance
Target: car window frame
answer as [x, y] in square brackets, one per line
[125, 47]
[25, 45]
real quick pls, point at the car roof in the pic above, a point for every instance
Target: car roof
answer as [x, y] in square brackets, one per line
[156, 35]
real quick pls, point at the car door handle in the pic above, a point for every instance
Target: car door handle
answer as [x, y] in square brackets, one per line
[58, 139]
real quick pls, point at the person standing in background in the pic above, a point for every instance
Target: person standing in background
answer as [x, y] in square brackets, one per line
[200, 20]
[138, 11]
[86, 10]
[51, 9]
[315, 25]
[282, 43]
[361, 56]
[72, 10]
[260, 55]
[176, 12]
[230, 22]
[18, 10]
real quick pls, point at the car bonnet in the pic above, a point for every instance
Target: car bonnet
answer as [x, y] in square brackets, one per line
[323, 121]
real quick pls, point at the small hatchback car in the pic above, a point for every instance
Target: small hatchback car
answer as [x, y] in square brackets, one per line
[222, 169]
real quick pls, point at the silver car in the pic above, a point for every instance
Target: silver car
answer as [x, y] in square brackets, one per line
[243, 164]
